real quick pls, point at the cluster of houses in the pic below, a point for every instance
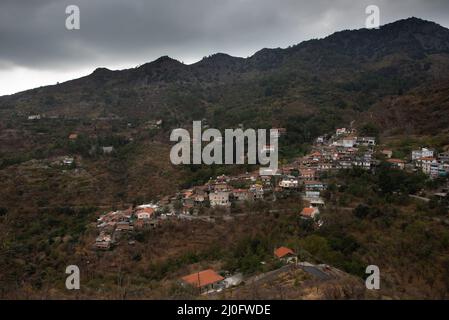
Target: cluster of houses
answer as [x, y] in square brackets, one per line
[431, 163]
[34, 117]
[113, 224]
[426, 160]
[219, 193]
[345, 149]
[342, 150]
[222, 193]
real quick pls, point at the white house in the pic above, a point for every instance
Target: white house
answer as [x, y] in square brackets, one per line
[427, 164]
[317, 203]
[314, 185]
[423, 153]
[234, 280]
[340, 131]
[366, 141]
[312, 194]
[288, 183]
[145, 214]
[108, 150]
[349, 142]
[67, 161]
[34, 117]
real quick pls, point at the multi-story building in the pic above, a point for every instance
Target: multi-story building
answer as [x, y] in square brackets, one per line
[219, 198]
[423, 153]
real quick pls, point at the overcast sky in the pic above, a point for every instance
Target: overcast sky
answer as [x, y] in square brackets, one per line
[36, 48]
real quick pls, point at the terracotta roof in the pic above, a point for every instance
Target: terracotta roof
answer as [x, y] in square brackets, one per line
[150, 211]
[188, 194]
[308, 212]
[427, 159]
[304, 171]
[282, 252]
[202, 278]
[396, 161]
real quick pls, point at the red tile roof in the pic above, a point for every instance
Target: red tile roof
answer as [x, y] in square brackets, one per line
[148, 210]
[202, 278]
[427, 159]
[396, 161]
[282, 252]
[308, 212]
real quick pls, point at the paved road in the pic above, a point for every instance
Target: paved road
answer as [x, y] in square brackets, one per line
[313, 270]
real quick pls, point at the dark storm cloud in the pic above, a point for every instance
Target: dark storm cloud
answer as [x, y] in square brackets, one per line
[33, 34]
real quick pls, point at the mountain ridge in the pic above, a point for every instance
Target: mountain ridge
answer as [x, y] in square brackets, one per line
[345, 73]
[410, 23]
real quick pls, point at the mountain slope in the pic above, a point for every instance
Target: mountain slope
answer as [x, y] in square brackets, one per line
[345, 73]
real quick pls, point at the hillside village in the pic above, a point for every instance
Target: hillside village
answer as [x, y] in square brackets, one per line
[86, 178]
[231, 197]
[305, 176]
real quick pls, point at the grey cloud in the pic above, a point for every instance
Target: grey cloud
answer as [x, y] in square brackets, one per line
[33, 34]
